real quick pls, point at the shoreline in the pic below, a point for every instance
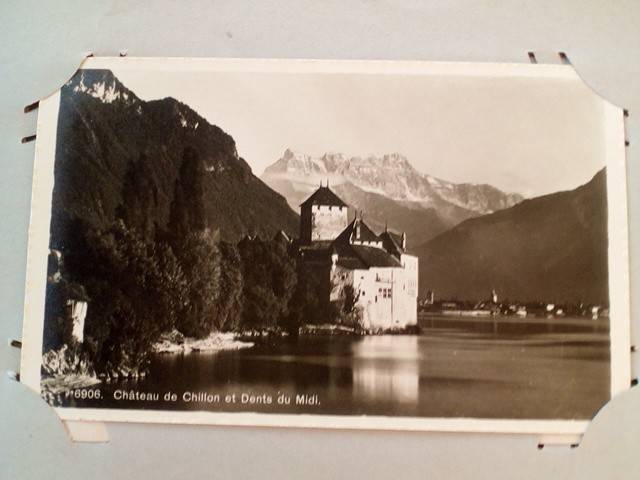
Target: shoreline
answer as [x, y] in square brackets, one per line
[174, 342]
[333, 329]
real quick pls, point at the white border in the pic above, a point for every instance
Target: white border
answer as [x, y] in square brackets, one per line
[618, 230]
[38, 248]
[37, 253]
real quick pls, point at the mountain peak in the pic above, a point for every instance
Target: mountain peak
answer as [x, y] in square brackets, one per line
[395, 159]
[101, 84]
[292, 161]
[290, 154]
[391, 175]
[124, 131]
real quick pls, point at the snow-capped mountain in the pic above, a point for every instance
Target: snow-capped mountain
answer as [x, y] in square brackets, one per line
[388, 189]
[101, 84]
[390, 175]
[105, 86]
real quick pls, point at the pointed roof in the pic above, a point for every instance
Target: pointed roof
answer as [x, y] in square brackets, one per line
[362, 234]
[360, 257]
[353, 255]
[392, 242]
[364, 257]
[375, 257]
[324, 196]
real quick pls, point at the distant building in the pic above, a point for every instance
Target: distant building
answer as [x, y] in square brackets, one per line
[431, 297]
[340, 252]
[77, 311]
[73, 297]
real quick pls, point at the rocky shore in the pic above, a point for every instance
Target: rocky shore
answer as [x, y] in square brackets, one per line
[175, 342]
[64, 370]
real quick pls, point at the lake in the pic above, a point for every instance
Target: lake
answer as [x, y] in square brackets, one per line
[495, 367]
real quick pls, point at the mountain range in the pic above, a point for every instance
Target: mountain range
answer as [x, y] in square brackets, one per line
[469, 238]
[388, 189]
[551, 248]
[104, 128]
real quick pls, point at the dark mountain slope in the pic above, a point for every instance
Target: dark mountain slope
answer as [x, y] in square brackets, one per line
[104, 128]
[548, 248]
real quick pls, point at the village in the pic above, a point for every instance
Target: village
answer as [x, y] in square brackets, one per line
[493, 306]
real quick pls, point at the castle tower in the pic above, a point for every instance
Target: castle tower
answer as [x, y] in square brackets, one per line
[323, 216]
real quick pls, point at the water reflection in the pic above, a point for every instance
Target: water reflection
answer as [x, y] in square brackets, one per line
[456, 367]
[386, 367]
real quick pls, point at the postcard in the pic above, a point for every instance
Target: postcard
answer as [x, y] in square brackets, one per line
[341, 244]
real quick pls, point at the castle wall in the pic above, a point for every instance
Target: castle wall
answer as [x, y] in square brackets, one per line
[322, 222]
[407, 287]
[387, 296]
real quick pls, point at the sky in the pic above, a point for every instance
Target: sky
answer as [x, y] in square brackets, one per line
[520, 134]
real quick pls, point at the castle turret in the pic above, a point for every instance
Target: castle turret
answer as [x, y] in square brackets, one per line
[322, 216]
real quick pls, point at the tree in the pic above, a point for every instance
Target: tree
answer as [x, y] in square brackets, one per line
[304, 306]
[199, 258]
[187, 213]
[135, 290]
[269, 282]
[195, 247]
[351, 312]
[229, 296]
[139, 198]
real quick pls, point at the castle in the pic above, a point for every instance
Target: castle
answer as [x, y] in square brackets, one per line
[342, 252]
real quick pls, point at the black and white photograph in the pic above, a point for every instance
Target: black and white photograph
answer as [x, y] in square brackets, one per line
[347, 239]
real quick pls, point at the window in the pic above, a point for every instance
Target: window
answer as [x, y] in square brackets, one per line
[386, 292]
